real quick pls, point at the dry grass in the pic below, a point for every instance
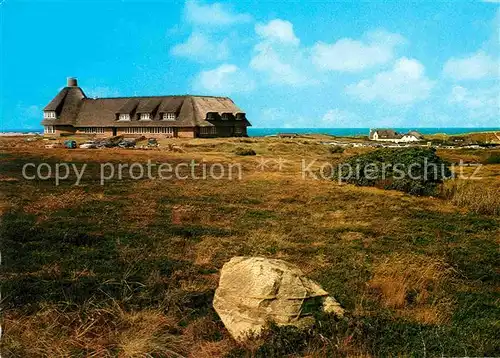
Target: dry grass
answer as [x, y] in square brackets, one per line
[46, 204]
[409, 283]
[147, 333]
[476, 196]
[376, 251]
[53, 332]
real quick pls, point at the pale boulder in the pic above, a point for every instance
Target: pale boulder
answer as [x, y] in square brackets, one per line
[255, 290]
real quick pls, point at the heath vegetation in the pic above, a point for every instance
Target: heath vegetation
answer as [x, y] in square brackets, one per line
[129, 268]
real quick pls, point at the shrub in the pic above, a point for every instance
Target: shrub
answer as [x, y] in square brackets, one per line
[244, 151]
[493, 158]
[417, 171]
[474, 196]
[336, 149]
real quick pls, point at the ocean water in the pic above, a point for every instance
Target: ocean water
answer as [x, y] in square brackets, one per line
[339, 132]
[352, 132]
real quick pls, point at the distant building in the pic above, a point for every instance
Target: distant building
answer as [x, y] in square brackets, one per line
[72, 112]
[287, 135]
[390, 135]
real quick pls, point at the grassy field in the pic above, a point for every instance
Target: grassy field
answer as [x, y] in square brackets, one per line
[129, 268]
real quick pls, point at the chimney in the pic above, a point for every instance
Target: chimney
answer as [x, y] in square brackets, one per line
[72, 82]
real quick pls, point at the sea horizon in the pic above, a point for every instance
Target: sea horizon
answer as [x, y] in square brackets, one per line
[341, 132]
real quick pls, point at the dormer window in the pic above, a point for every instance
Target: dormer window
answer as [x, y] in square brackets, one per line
[169, 116]
[124, 117]
[212, 116]
[49, 114]
[145, 117]
[226, 116]
[240, 116]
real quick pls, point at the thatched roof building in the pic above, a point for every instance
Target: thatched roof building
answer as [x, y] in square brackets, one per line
[71, 111]
[391, 135]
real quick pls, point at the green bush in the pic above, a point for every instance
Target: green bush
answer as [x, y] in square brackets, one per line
[244, 151]
[493, 158]
[336, 150]
[417, 171]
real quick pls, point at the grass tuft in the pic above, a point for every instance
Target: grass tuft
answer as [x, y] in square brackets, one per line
[474, 196]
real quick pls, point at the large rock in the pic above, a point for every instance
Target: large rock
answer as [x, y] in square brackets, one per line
[255, 290]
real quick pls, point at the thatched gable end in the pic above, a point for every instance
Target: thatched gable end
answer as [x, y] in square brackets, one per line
[66, 104]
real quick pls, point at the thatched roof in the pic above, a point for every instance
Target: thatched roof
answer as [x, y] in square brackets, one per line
[128, 108]
[73, 107]
[149, 106]
[67, 105]
[215, 105]
[415, 134]
[385, 133]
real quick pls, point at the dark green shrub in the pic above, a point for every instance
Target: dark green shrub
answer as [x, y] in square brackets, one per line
[417, 171]
[493, 158]
[244, 151]
[336, 149]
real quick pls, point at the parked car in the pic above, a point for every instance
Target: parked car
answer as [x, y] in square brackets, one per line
[88, 145]
[127, 143]
[105, 143]
[152, 142]
[70, 144]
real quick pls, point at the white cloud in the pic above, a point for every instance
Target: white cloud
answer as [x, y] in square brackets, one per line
[278, 54]
[277, 30]
[224, 80]
[480, 103]
[403, 84]
[215, 14]
[472, 67]
[349, 55]
[199, 47]
[278, 64]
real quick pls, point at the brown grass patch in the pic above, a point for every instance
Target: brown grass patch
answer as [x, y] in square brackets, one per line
[435, 313]
[411, 284]
[352, 236]
[206, 349]
[61, 200]
[473, 195]
[52, 332]
[147, 333]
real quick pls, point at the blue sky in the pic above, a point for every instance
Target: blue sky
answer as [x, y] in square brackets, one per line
[287, 64]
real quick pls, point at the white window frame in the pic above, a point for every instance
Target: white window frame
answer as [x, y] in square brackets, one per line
[145, 117]
[124, 117]
[93, 130]
[49, 130]
[49, 114]
[149, 130]
[169, 116]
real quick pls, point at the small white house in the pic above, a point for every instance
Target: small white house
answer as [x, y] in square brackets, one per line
[390, 135]
[412, 136]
